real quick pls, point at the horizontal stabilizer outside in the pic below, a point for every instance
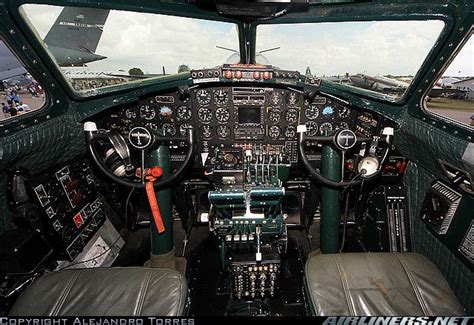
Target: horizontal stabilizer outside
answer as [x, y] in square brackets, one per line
[77, 29]
[66, 57]
[7, 74]
[10, 66]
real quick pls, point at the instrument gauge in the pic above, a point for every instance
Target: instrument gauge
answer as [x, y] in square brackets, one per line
[221, 97]
[165, 112]
[203, 96]
[223, 131]
[130, 113]
[292, 99]
[183, 128]
[147, 112]
[274, 115]
[275, 99]
[342, 125]
[169, 129]
[290, 131]
[344, 112]
[328, 110]
[291, 115]
[206, 131]
[222, 114]
[184, 113]
[325, 127]
[274, 131]
[205, 114]
[311, 128]
[151, 126]
[312, 112]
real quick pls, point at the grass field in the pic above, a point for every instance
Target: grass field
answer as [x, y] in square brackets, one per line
[454, 104]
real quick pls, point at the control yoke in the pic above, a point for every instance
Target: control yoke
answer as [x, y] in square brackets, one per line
[368, 166]
[140, 138]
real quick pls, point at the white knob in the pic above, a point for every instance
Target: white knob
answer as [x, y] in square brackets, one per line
[301, 128]
[90, 127]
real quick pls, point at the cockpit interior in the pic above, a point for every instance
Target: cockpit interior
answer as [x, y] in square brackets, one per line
[272, 175]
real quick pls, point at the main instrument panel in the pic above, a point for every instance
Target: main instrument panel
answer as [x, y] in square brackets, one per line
[240, 116]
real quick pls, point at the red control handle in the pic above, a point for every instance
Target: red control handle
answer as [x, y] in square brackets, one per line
[152, 174]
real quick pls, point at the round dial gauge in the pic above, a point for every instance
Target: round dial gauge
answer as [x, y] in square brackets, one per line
[290, 131]
[205, 114]
[222, 114]
[183, 128]
[344, 112]
[312, 112]
[203, 97]
[165, 112]
[274, 115]
[274, 131]
[223, 131]
[147, 112]
[311, 128]
[291, 115]
[184, 113]
[169, 129]
[328, 110]
[152, 126]
[342, 125]
[130, 113]
[275, 99]
[325, 127]
[221, 97]
[206, 131]
[292, 99]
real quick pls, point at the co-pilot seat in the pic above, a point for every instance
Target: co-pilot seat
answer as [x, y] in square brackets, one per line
[373, 284]
[129, 291]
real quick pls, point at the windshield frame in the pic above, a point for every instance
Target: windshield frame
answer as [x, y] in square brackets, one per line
[170, 9]
[333, 14]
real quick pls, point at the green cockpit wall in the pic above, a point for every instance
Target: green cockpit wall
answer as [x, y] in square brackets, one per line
[54, 134]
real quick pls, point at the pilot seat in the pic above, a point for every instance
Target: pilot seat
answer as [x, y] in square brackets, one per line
[117, 291]
[377, 284]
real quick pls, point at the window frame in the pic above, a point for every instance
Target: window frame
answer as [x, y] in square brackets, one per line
[46, 102]
[367, 92]
[439, 117]
[127, 86]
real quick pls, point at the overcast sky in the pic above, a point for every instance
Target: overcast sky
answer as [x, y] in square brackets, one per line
[150, 41]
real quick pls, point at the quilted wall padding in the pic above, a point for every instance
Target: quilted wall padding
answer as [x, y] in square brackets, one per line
[456, 272]
[36, 148]
[424, 144]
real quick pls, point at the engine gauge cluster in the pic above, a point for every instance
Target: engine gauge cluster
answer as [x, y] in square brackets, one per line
[324, 114]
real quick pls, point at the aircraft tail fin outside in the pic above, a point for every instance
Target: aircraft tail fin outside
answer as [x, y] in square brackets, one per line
[77, 29]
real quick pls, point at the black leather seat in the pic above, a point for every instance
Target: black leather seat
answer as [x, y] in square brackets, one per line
[373, 284]
[105, 292]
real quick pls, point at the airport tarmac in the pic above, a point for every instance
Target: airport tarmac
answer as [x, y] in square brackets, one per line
[460, 116]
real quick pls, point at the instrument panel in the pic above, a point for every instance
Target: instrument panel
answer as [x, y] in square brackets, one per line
[239, 116]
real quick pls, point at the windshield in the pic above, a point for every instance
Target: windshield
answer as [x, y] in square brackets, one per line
[382, 56]
[97, 48]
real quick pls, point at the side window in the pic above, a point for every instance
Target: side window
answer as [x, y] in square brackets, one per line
[19, 92]
[453, 94]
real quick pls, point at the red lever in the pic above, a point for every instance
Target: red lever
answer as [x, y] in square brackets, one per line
[152, 174]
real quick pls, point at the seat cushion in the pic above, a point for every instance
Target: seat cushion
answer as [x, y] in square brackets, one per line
[130, 291]
[372, 284]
